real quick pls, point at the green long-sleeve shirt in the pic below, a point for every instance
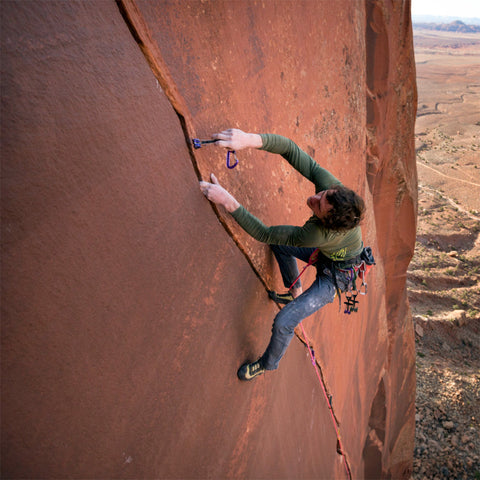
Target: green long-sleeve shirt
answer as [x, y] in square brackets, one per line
[335, 245]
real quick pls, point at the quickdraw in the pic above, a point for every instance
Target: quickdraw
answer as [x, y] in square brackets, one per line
[197, 143]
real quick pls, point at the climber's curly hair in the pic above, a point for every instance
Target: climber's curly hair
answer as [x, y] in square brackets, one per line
[347, 209]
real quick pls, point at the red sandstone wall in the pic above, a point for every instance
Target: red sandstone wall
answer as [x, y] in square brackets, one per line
[128, 303]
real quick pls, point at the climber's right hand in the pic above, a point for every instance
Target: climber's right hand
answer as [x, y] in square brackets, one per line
[235, 139]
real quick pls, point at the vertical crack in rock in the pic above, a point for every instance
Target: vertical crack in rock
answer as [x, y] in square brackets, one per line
[140, 32]
[330, 396]
[377, 75]
[330, 400]
[374, 443]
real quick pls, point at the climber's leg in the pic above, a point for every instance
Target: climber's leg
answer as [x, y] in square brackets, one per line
[286, 259]
[321, 292]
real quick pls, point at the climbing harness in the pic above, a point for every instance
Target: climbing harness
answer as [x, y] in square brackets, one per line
[197, 143]
[355, 268]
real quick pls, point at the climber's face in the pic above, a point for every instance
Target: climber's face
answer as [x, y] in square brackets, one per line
[318, 203]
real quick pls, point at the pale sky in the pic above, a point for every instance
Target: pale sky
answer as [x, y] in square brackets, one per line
[447, 8]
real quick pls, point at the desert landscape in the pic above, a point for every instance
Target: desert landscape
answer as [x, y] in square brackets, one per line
[444, 275]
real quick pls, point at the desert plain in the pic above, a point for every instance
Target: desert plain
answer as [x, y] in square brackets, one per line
[444, 275]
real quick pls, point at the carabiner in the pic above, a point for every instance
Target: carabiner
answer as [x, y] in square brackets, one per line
[231, 152]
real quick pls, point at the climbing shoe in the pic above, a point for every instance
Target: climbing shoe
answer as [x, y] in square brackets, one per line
[248, 371]
[282, 298]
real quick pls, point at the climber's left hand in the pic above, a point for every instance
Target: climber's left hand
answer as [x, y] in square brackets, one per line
[218, 195]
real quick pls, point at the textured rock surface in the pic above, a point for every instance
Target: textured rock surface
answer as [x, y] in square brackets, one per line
[128, 302]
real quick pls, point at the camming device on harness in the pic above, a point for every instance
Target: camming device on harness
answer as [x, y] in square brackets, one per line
[357, 269]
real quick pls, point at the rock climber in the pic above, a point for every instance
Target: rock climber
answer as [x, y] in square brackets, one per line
[332, 232]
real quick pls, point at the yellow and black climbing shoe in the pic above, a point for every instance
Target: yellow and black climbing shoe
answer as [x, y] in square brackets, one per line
[248, 371]
[282, 298]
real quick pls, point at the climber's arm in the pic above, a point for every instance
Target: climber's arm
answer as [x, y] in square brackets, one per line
[235, 139]
[300, 160]
[308, 236]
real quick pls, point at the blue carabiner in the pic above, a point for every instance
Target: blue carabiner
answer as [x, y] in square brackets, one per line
[231, 152]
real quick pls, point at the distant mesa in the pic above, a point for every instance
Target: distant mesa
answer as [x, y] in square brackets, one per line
[455, 26]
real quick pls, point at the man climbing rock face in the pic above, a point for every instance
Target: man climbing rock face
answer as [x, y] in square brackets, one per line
[332, 233]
